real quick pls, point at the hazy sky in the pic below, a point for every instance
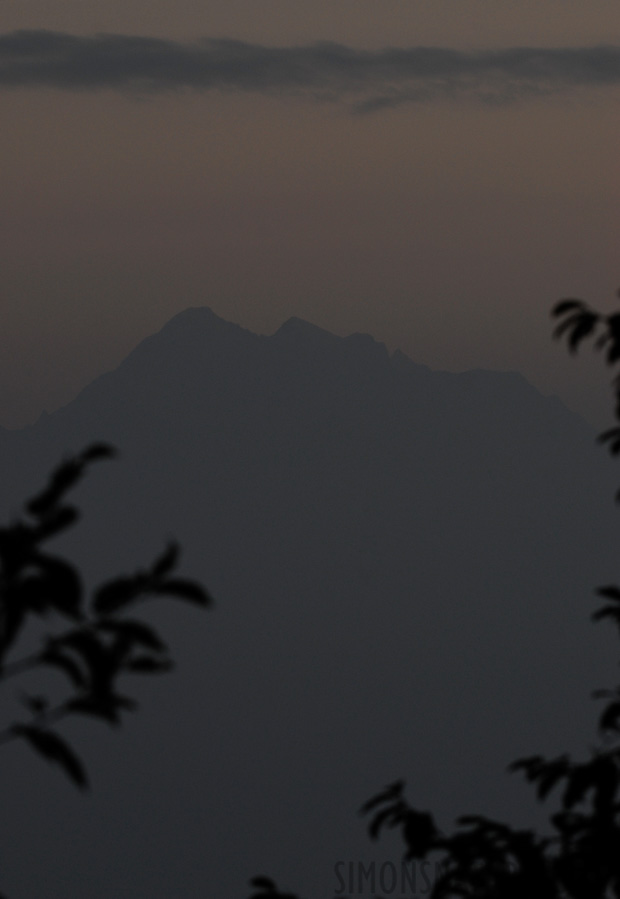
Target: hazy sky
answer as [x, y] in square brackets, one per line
[435, 173]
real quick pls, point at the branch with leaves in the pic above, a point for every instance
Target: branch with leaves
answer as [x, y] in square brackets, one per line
[580, 857]
[102, 639]
[578, 323]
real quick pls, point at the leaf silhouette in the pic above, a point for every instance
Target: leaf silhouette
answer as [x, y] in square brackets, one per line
[266, 883]
[184, 589]
[55, 749]
[66, 476]
[98, 451]
[114, 595]
[167, 561]
[56, 585]
[269, 889]
[391, 792]
[611, 437]
[58, 519]
[381, 818]
[567, 305]
[610, 592]
[607, 612]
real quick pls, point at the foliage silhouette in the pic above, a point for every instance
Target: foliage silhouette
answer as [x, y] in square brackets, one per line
[580, 857]
[267, 889]
[100, 643]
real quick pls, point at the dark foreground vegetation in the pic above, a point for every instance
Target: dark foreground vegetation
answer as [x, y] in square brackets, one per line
[579, 856]
[93, 640]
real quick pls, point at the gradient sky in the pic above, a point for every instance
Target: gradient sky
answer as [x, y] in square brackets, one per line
[437, 174]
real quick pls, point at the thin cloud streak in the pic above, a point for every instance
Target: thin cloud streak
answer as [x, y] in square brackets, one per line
[369, 80]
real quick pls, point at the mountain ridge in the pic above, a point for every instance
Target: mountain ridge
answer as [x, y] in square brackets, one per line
[199, 329]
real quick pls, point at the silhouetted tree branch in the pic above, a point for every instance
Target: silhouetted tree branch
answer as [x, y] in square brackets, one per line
[580, 857]
[99, 643]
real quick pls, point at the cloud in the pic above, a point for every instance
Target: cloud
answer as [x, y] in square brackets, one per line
[369, 80]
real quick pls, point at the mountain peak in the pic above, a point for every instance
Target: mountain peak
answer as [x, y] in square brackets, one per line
[198, 316]
[297, 328]
[192, 329]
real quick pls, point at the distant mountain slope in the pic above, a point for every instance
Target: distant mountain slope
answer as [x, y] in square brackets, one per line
[402, 560]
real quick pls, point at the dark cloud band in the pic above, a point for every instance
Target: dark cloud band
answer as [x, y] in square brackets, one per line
[369, 79]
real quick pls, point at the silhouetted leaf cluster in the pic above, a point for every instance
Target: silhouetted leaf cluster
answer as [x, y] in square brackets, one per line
[268, 890]
[100, 643]
[393, 811]
[578, 322]
[580, 856]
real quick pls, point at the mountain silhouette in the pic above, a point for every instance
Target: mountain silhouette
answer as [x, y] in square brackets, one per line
[402, 561]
